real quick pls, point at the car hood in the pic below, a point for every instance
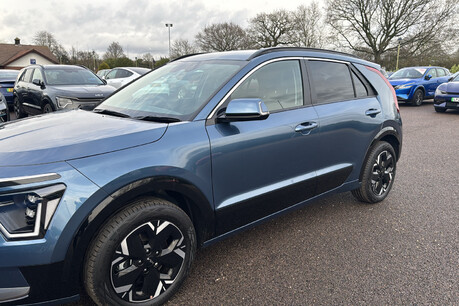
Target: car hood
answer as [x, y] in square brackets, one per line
[402, 81]
[84, 91]
[451, 87]
[69, 135]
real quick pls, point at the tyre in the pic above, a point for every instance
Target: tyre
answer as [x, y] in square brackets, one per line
[440, 109]
[141, 255]
[418, 97]
[378, 174]
[47, 108]
[18, 110]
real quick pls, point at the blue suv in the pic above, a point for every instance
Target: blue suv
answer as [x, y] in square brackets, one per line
[118, 199]
[414, 84]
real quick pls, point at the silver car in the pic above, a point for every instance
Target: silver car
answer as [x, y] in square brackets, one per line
[118, 77]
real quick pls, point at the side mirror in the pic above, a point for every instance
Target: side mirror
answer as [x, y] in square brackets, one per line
[244, 110]
[38, 83]
[428, 77]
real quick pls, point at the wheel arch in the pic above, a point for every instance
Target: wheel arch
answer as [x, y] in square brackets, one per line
[177, 191]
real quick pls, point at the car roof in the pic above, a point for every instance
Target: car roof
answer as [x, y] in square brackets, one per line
[247, 55]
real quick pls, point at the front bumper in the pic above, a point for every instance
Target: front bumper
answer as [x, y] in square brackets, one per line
[445, 101]
[13, 286]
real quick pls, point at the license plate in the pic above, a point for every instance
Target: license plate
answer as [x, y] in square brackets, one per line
[9, 90]
[454, 99]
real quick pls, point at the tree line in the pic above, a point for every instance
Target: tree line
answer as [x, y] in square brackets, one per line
[423, 32]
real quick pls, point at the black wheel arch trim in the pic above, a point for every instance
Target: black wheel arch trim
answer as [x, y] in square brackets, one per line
[178, 191]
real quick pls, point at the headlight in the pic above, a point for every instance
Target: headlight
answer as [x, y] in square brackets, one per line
[404, 86]
[64, 102]
[27, 214]
[438, 91]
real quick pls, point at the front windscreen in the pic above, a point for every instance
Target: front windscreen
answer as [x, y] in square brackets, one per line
[178, 89]
[71, 76]
[408, 73]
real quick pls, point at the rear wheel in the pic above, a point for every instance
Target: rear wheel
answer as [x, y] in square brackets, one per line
[418, 97]
[141, 256]
[18, 110]
[378, 174]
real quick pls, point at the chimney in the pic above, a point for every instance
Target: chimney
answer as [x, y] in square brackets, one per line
[17, 41]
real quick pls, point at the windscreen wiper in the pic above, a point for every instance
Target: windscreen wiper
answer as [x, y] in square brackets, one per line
[158, 119]
[110, 112]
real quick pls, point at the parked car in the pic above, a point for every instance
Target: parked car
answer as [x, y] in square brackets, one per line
[4, 111]
[102, 73]
[118, 77]
[414, 84]
[7, 79]
[47, 88]
[119, 198]
[447, 95]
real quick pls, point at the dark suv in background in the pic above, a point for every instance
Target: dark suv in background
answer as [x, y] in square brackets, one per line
[119, 198]
[46, 88]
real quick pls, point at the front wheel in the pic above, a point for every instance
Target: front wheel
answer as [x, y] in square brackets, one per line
[141, 256]
[18, 111]
[418, 97]
[47, 108]
[378, 174]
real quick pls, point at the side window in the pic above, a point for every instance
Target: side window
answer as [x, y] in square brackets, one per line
[433, 73]
[123, 73]
[37, 75]
[111, 74]
[360, 89]
[27, 76]
[278, 84]
[440, 72]
[331, 81]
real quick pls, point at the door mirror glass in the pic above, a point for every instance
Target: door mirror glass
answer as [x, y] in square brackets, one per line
[428, 77]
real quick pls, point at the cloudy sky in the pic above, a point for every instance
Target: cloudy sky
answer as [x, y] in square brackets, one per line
[138, 25]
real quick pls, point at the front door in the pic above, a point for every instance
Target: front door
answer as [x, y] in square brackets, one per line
[260, 167]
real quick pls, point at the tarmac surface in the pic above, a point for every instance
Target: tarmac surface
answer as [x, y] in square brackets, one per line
[338, 251]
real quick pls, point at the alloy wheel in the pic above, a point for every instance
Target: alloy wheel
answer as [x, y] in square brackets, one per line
[147, 261]
[382, 173]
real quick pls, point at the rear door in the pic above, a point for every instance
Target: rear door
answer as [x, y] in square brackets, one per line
[36, 92]
[350, 116]
[263, 166]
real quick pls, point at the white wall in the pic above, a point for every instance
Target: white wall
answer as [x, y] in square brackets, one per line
[25, 60]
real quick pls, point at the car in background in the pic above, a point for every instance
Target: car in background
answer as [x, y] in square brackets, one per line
[102, 73]
[119, 77]
[414, 84]
[4, 111]
[447, 95]
[118, 199]
[47, 88]
[7, 79]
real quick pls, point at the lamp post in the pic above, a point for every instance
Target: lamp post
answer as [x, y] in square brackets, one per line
[169, 26]
[398, 53]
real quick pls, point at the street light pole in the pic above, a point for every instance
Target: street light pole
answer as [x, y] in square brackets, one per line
[398, 53]
[169, 26]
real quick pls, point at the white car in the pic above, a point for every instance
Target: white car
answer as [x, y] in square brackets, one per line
[118, 77]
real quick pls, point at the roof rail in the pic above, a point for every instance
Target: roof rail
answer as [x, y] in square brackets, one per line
[279, 49]
[185, 56]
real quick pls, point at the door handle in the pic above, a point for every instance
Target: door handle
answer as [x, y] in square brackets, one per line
[372, 112]
[306, 127]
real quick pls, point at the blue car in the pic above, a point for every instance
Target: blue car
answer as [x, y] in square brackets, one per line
[118, 199]
[447, 95]
[7, 80]
[414, 84]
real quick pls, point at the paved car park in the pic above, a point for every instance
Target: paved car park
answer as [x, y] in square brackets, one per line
[340, 251]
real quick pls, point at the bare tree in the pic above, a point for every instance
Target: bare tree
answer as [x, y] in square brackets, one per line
[182, 47]
[114, 51]
[373, 26]
[308, 29]
[147, 57]
[271, 29]
[222, 37]
[44, 38]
